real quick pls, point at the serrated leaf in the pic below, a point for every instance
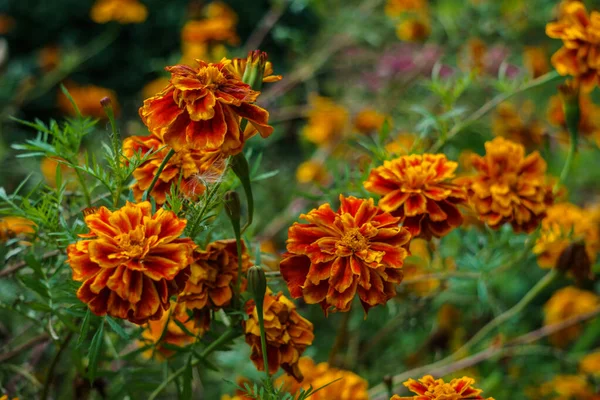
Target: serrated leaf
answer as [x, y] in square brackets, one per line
[94, 352]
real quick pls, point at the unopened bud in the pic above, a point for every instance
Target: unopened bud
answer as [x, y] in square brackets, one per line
[232, 206]
[255, 69]
[257, 283]
[106, 102]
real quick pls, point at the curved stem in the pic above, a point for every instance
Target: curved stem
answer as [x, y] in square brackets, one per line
[162, 166]
[50, 375]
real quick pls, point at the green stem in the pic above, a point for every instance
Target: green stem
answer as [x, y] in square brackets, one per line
[238, 243]
[54, 363]
[86, 192]
[263, 341]
[569, 161]
[200, 215]
[162, 166]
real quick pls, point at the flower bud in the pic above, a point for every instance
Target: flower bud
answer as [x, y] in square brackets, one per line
[232, 206]
[255, 69]
[257, 283]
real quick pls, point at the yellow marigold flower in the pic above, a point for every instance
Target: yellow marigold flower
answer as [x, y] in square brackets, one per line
[214, 273]
[402, 144]
[327, 122]
[566, 303]
[568, 387]
[565, 224]
[87, 99]
[369, 120]
[509, 123]
[580, 54]
[288, 334]
[11, 227]
[413, 29]
[590, 364]
[49, 58]
[358, 248]
[419, 190]
[131, 262]
[121, 11]
[509, 187]
[312, 171]
[202, 108]
[394, 8]
[589, 117]
[349, 386]
[166, 330]
[428, 388]
[536, 61]
[195, 168]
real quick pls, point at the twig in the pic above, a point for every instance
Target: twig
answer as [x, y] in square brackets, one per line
[17, 266]
[25, 346]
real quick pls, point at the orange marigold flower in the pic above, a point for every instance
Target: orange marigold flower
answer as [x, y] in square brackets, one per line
[288, 334]
[580, 54]
[121, 11]
[418, 189]
[590, 364]
[402, 144]
[566, 303]
[195, 168]
[568, 387]
[536, 61]
[201, 108]
[349, 386]
[166, 330]
[218, 26]
[312, 171]
[394, 8]
[327, 122]
[509, 186]
[131, 262]
[589, 117]
[359, 248]
[564, 225]
[413, 29]
[87, 99]
[369, 120]
[214, 272]
[11, 227]
[517, 126]
[428, 388]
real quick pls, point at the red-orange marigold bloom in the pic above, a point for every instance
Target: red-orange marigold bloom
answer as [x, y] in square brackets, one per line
[131, 262]
[509, 186]
[194, 167]
[418, 189]
[580, 54]
[201, 108]
[288, 334]
[428, 388]
[213, 273]
[359, 248]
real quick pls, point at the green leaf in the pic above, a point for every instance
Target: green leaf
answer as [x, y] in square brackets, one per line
[239, 164]
[117, 328]
[94, 352]
[188, 377]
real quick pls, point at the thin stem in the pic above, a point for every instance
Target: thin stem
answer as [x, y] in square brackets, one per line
[570, 156]
[162, 166]
[50, 375]
[200, 215]
[340, 337]
[263, 342]
[18, 350]
[17, 266]
[86, 192]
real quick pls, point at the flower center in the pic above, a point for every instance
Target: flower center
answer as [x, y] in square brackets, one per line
[211, 77]
[134, 243]
[354, 240]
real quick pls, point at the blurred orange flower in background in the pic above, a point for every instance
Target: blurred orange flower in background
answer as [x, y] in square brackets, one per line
[131, 262]
[428, 388]
[201, 108]
[509, 187]
[348, 386]
[590, 364]
[121, 11]
[49, 58]
[327, 122]
[568, 387]
[535, 60]
[357, 249]
[589, 117]
[369, 120]
[288, 334]
[312, 171]
[419, 190]
[580, 54]
[195, 168]
[15, 227]
[413, 29]
[217, 26]
[520, 127]
[87, 99]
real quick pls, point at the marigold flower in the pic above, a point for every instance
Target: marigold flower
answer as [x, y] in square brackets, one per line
[589, 117]
[201, 108]
[566, 303]
[369, 120]
[535, 60]
[288, 334]
[166, 330]
[359, 248]
[121, 11]
[349, 386]
[195, 168]
[580, 54]
[11, 227]
[402, 144]
[131, 262]
[428, 388]
[413, 29]
[518, 127]
[418, 190]
[509, 186]
[218, 26]
[590, 364]
[565, 224]
[214, 272]
[567, 387]
[87, 99]
[312, 171]
[327, 122]
[394, 8]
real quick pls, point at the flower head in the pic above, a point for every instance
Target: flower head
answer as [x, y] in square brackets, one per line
[288, 334]
[566, 303]
[87, 99]
[369, 120]
[358, 248]
[121, 11]
[201, 108]
[218, 26]
[567, 387]
[518, 127]
[418, 189]
[428, 388]
[327, 122]
[509, 187]
[196, 168]
[131, 262]
[214, 272]
[11, 227]
[312, 171]
[238, 66]
[349, 386]
[414, 29]
[394, 8]
[590, 364]
[166, 330]
[580, 54]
